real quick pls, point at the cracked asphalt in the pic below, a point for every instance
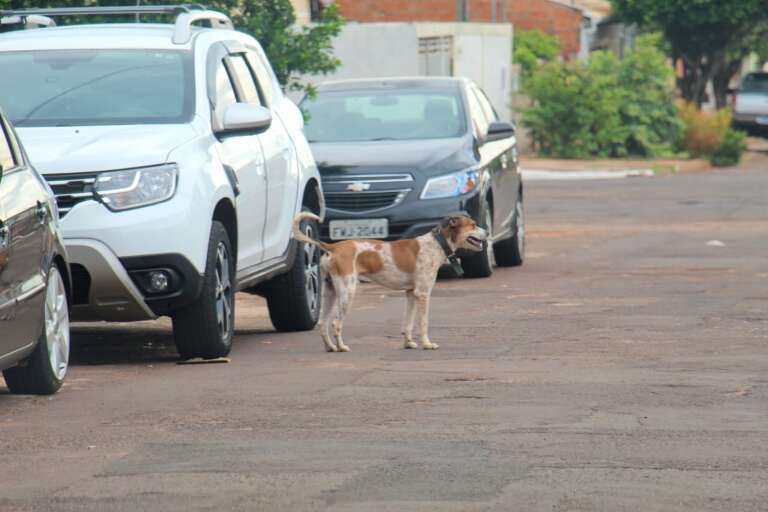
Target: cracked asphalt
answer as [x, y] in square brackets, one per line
[623, 367]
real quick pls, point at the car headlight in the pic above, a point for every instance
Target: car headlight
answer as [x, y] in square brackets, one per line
[450, 185]
[133, 188]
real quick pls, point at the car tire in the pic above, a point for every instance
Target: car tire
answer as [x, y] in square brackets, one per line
[511, 252]
[205, 328]
[481, 264]
[44, 371]
[293, 298]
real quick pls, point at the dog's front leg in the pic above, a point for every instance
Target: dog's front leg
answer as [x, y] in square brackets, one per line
[410, 316]
[422, 300]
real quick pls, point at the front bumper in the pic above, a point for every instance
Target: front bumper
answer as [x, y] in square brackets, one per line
[106, 288]
[749, 120]
[413, 217]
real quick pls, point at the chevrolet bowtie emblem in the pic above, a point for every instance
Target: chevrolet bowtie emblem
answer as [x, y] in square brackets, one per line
[358, 186]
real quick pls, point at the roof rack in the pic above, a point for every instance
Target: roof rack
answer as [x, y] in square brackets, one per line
[30, 21]
[186, 15]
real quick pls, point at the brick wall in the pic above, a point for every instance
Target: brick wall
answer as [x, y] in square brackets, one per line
[551, 17]
[398, 10]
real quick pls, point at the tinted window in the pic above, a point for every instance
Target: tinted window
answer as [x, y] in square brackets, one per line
[97, 87]
[389, 114]
[485, 104]
[755, 82]
[478, 116]
[6, 155]
[245, 79]
[225, 92]
[263, 76]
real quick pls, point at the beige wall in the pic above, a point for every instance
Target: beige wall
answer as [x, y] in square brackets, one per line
[301, 8]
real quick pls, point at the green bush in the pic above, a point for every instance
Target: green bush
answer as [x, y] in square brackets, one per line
[531, 47]
[730, 150]
[604, 107]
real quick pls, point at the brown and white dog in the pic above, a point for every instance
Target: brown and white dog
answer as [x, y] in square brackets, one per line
[410, 265]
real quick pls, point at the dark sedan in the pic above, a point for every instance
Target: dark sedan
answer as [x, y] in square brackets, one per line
[34, 276]
[397, 155]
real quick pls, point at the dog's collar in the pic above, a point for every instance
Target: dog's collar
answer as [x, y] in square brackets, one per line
[443, 243]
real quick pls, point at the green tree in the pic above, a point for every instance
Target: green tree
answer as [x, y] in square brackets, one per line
[700, 33]
[605, 107]
[533, 47]
[293, 51]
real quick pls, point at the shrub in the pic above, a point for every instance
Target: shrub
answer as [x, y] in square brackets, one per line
[531, 47]
[604, 108]
[729, 153]
[704, 131]
[708, 135]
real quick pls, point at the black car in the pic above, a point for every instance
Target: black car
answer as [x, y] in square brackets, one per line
[397, 155]
[34, 276]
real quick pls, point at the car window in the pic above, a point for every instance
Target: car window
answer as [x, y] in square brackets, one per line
[7, 161]
[384, 114]
[755, 82]
[225, 92]
[476, 111]
[263, 77]
[245, 79]
[97, 87]
[485, 104]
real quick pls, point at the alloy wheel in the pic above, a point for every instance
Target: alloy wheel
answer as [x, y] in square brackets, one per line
[489, 241]
[224, 295]
[311, 271]
[520, 226]
[57, 324]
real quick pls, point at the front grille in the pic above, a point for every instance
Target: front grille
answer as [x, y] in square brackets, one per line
[71, 189]
[365, 193]
[363, 201]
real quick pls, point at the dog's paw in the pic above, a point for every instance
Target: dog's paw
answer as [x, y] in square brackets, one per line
[331, 348]
[430, 346]
[343, 348]
[410, 344]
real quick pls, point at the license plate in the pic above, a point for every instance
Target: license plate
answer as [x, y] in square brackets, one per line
[358, 228]
[762, 120]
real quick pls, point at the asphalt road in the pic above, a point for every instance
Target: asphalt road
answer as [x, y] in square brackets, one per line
[624, 367]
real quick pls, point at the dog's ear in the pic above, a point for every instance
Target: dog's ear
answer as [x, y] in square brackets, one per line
[450, 222]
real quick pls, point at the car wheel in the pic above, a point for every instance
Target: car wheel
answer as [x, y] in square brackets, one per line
[43, 373]
[293, 298]
[511, 252]
[481, 264]
[206, 327]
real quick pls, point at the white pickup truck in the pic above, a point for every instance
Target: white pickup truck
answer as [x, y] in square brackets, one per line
[750, 102]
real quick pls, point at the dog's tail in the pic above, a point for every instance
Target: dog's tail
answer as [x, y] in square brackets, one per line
[300, 236]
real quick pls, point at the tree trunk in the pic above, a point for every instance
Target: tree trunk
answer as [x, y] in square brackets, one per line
[722, 79]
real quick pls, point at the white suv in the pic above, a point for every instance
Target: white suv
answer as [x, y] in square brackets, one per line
[178, 166]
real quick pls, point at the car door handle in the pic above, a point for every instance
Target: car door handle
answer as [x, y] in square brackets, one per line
[41, 212]
[5, 236]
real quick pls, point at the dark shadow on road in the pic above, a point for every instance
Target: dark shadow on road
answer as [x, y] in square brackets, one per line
[116, 345]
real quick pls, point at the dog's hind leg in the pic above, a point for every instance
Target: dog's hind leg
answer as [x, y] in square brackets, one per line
[409, 317]
[345, 290]
[327, 309]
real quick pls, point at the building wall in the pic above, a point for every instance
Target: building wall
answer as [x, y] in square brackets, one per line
[301, 9]
[552, 17]
[481, 52]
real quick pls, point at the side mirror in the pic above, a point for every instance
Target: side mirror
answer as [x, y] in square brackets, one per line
[245, 118]
[499, 130]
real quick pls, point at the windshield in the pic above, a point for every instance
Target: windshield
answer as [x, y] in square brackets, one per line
[96, 87]
[755, 82]
[393, 114]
